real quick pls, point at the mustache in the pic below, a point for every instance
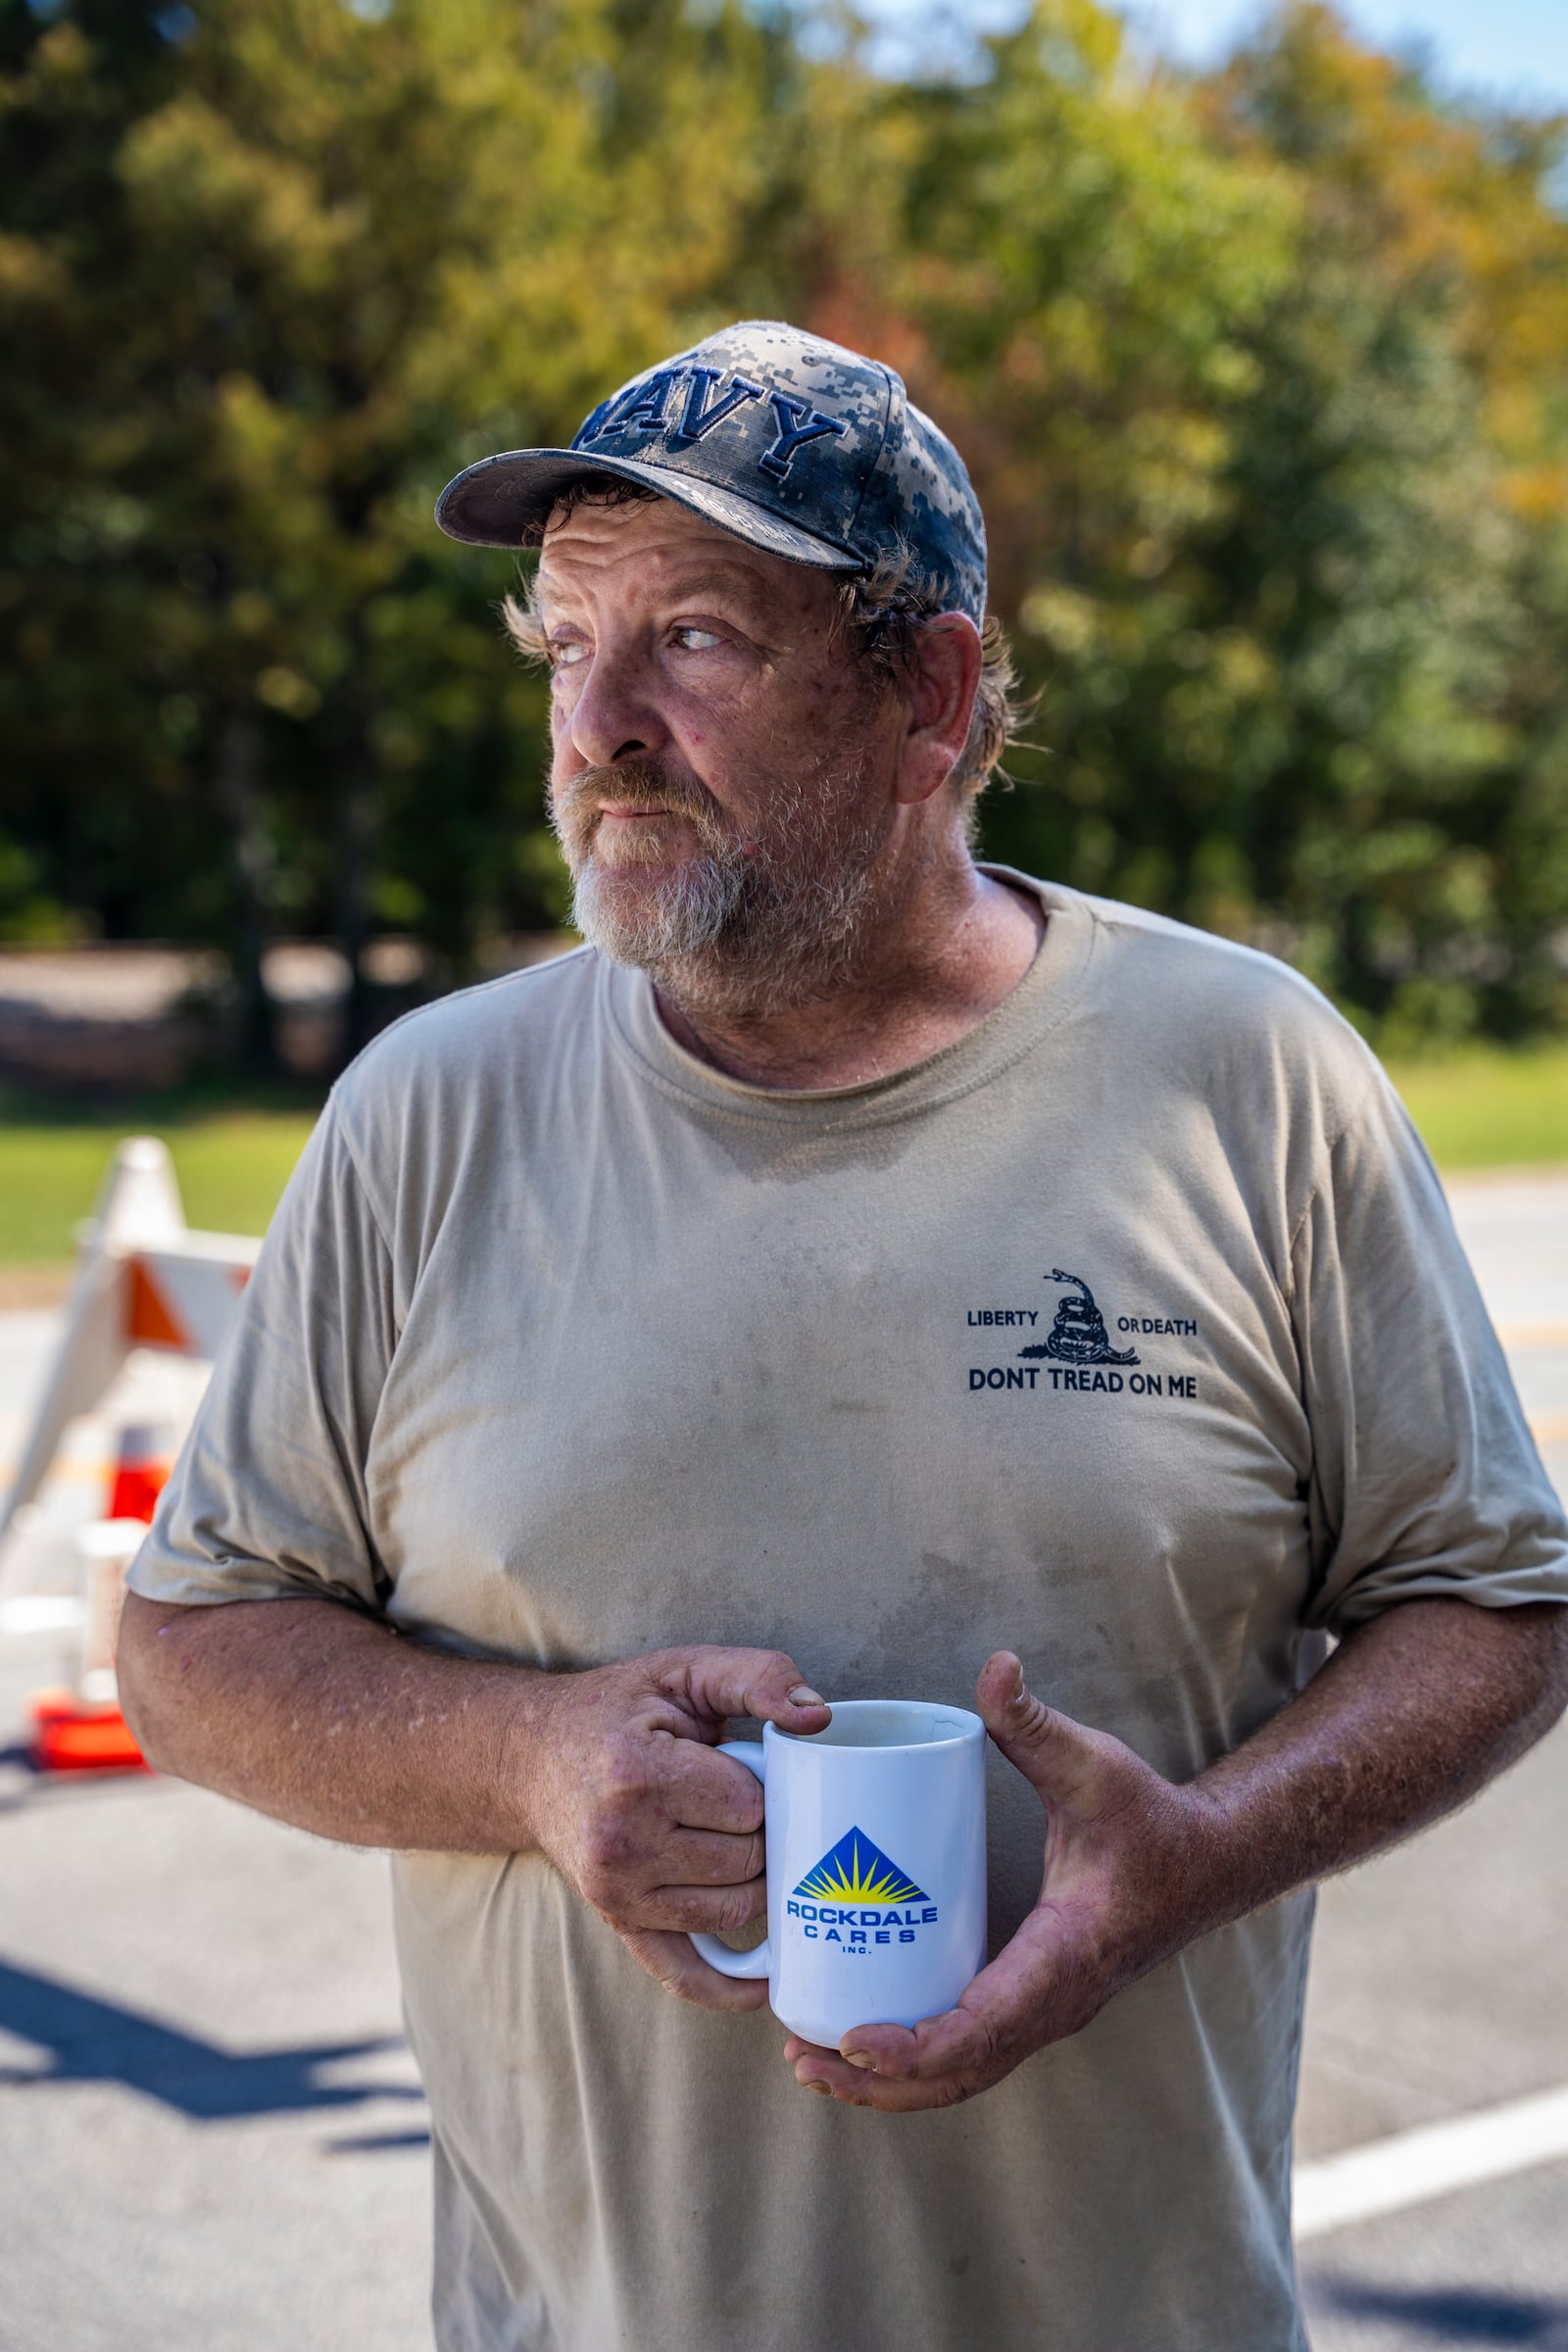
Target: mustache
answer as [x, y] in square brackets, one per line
[575, 803]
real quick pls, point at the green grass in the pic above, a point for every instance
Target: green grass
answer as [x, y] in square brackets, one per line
[233, 1159]
[1487, 1108]
[1482, 1109]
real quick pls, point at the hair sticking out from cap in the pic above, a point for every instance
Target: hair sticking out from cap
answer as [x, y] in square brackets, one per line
[883, 612]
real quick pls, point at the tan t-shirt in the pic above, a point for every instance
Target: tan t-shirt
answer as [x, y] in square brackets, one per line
[1131, 1333]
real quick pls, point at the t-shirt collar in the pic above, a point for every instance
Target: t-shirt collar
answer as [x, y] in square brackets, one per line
[1025, 1016]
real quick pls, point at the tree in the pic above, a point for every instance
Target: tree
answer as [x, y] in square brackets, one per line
[1259, 373]
[298, 263]
[1225, 359]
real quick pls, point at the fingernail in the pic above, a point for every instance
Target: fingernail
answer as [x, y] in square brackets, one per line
[803, 1695]
[860, 2058]
[821, 2086]
[1021, 1694]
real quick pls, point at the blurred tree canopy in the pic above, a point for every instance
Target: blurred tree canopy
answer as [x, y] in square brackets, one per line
[1260, 376]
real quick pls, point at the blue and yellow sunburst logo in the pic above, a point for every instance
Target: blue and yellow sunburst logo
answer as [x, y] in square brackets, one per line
[856, 1871]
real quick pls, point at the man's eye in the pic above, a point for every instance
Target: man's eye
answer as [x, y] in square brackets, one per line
[696, 641]
[565, 653]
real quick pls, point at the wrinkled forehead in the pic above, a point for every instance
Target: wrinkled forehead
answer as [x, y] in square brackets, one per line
[640, 551]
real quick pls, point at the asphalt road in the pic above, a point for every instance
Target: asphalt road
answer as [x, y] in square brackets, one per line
[212, 2137]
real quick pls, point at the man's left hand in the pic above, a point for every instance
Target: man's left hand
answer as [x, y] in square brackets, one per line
[1416, 1711]
[1127, 1859]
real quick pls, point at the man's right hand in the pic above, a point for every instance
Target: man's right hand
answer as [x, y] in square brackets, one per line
[323, 1716]
[625, 1796]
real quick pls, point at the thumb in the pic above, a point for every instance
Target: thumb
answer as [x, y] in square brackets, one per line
[765, 1683]
[1064, 1760]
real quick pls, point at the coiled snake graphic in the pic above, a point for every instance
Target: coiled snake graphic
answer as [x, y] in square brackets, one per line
[1079, 1336]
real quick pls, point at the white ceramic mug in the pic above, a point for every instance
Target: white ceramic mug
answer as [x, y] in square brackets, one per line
[876, 1867]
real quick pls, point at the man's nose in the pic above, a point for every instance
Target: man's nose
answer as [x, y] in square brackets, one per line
[615, 716]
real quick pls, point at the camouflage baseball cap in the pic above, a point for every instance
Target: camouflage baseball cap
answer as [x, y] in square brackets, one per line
[794, 443]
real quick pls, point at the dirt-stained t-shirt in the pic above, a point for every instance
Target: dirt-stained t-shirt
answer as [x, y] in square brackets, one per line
[1130, 1332]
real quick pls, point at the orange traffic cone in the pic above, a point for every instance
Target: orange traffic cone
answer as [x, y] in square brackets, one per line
[68, 1735]
[84, 1730]
[141, 1473]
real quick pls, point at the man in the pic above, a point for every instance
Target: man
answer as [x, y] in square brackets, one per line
[684, 1328]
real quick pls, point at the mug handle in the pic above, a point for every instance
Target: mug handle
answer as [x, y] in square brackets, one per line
[757, 1962]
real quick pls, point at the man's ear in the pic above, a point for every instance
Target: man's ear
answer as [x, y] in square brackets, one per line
[941, 691]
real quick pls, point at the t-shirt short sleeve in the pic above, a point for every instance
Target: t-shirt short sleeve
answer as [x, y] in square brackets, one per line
[1426, 1481]
[268, 1497]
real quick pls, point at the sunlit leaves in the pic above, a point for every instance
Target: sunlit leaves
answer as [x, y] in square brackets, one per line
[1260, 378]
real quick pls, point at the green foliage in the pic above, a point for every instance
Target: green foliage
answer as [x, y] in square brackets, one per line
[1260, 377]
[1288, 624]
[272, 281]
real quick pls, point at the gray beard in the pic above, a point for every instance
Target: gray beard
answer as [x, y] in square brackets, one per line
[746, 933]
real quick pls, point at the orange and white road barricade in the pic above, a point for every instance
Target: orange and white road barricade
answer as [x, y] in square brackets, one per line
[143, 1280]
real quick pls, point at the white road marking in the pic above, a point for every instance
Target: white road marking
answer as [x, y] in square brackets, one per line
[1414, 2166]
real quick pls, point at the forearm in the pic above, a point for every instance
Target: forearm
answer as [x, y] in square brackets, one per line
[1411, 1716]
[308, 1711]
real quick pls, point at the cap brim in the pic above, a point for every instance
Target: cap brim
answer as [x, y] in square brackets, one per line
[507, 500]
